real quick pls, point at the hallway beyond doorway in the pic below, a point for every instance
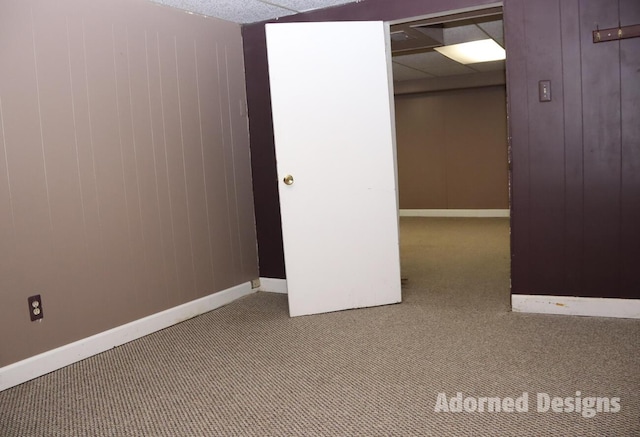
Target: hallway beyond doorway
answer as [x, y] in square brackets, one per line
[456, 262]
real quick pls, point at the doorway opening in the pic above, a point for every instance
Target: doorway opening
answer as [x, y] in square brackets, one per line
[452, 160]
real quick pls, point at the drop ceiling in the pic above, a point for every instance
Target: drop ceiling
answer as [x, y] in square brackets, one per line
[412, 42]
[250, 11]
[412, 45]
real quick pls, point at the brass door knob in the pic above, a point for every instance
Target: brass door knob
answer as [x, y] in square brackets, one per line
[288, 180]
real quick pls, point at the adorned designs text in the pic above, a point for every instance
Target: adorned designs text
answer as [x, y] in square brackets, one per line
[587, 406]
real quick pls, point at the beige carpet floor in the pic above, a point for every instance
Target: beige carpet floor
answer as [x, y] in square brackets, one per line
[249, 370]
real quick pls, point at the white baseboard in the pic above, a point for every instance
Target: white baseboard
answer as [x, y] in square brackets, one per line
[576, 306]
[55, 359]
[273, 285]
[454, 213]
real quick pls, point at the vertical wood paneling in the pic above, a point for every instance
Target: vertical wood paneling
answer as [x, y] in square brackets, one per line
[630, 153]
[185, 140]
[173, 148]
[93, 269]
[546, 147]
[101, 90]
[57, 108]
[33, 251]
[228, 153]
[119, 159]
[573, 178]
[581, 241]
[208, 244]
[242, 162]
[214, 164]
[601, 142]
[232, 170]
[8, 267]
[142, 170]
[193, 177]
[135, 252]
[158, 128]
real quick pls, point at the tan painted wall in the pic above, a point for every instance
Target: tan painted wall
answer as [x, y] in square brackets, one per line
[125, 185]
[452, 149]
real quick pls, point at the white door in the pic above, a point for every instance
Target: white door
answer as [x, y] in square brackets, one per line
[334, 130]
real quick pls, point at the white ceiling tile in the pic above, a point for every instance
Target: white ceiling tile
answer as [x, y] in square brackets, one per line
[488, 66]
[433, 63]
[402, 72]
[459, 34]
[245, 11]
[309, 5]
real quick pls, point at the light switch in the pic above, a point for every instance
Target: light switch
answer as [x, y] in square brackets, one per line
[544, 90]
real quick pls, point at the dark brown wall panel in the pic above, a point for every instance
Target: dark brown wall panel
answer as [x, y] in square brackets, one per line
[575, 187]
[573, 153]
[452, 149]
[630, 151]
[602, 149]
[125, 180]
[545, 147]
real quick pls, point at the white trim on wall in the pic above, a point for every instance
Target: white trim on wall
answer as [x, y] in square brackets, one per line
[55, 359]
[273, 285]
[454, 213]
[577, 306]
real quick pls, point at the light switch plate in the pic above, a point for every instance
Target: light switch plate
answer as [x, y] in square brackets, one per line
[544, 90]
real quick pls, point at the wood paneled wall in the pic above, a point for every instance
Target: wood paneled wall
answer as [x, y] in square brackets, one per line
[576, 159]
[125, 183]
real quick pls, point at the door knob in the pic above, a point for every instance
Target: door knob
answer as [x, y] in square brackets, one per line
[288, 180]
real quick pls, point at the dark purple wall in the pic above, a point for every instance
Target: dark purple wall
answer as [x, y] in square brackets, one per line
[576, 159]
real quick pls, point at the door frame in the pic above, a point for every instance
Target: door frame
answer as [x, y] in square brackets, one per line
[470, 11]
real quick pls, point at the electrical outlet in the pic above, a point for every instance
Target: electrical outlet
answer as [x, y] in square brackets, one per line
[35, 307]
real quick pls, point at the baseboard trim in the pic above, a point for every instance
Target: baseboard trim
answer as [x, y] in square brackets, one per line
[454, 213]
[577, 306]
[273, 285]
[55, 359]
